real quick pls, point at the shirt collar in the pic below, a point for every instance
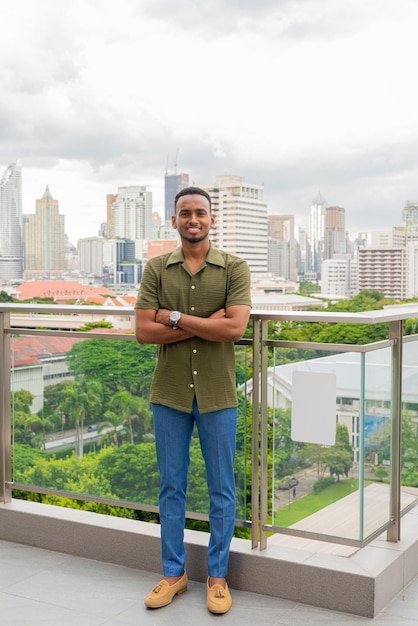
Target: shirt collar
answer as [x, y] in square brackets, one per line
[214, 257]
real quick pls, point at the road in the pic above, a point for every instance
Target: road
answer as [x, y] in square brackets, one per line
[307, 478]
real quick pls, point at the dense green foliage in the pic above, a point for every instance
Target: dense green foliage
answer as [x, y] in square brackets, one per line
[108, 389]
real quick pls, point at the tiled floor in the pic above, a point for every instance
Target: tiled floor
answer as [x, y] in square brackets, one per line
[42, 587]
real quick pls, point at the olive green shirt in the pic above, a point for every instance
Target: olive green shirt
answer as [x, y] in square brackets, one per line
[195, 367]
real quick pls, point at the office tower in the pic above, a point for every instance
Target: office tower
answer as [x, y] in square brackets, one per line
[335, 237]
[11, 223]
[302, 250]
[383, 270]
[241, 220]
[389, 238]
[131, 213]
[336, 276]
[44, 236]
[173, 183]
[281, 228]
[90, 250]
[119, 264]
[316, 228]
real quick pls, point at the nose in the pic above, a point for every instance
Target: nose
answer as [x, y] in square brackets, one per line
[194, 219]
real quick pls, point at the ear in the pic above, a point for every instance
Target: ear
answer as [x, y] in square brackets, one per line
[173, 222]
[212, 219]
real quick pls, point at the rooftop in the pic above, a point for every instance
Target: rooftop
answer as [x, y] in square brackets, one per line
[38, 586]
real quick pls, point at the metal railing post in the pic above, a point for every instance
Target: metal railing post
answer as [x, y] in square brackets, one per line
[263, 436]
[395, 335]
[5, 426]
[255, 486]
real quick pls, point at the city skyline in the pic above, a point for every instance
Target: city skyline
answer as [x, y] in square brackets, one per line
[302, 219]
[299, 97]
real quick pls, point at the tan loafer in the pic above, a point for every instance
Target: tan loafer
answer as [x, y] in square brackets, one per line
[163, 593]
[218, 599]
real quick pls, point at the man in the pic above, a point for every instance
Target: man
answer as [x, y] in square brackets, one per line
[194, 303]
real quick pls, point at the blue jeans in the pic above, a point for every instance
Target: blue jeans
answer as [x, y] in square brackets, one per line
[217, 434]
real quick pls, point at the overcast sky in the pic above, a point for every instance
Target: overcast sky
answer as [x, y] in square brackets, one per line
[298, 95]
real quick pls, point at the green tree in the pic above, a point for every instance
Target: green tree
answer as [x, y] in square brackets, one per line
[315, 454]
[75, 474]
[117, 365]
[5, 297]
[21, 403]
[40, 425]
[82, 399]
[110, 428]
[283, 445]
[132, 472]
[131, 408]
[24, 457]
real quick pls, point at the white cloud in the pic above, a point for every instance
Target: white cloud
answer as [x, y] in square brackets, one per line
[298, 95]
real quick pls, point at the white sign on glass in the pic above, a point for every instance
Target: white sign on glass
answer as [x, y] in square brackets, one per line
[313, 407]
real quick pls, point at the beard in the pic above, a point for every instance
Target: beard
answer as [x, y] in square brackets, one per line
[194, 238]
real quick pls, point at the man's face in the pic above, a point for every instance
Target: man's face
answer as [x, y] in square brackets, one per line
[193, 218]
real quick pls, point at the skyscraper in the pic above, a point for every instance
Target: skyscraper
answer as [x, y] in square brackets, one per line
[281, 228]
[131, 213]
[44, 236]
[173, 183]
[335, 240]
[241, 220]
[11, 238]
[316, 227]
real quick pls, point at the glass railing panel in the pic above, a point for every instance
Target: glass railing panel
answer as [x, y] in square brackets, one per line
[409, 445]
[82, 422]
[377, 440]
[310, 479]
[330, 489]
[243, 465]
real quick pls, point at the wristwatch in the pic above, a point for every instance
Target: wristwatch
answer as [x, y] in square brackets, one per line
[175, 318]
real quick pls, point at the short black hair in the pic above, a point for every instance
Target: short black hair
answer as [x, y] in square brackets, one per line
[192, 191]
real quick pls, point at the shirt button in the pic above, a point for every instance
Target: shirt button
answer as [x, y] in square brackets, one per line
[192, 308]
[192, 385]
[194, 351]
[193, 286]
[194, 373]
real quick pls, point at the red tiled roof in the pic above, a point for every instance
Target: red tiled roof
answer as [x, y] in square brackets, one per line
[59, 290]
[28, 350]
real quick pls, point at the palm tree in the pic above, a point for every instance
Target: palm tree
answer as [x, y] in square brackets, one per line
[81, 398]
[46, 423]
[130, 407]
[111, 427]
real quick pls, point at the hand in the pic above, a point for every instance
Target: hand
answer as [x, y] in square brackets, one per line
[163, 317]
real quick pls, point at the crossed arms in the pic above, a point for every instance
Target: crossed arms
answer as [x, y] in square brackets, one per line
[223, 325]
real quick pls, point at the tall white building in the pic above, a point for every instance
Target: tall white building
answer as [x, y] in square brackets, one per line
[316, 233]
[11, 223]
[131, 213]
[241, 220]
[90, 250]
[336, 277]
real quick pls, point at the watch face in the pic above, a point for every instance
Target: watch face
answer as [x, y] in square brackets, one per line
[174, 317]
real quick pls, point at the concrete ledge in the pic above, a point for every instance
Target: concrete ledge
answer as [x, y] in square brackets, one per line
[361, 584]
